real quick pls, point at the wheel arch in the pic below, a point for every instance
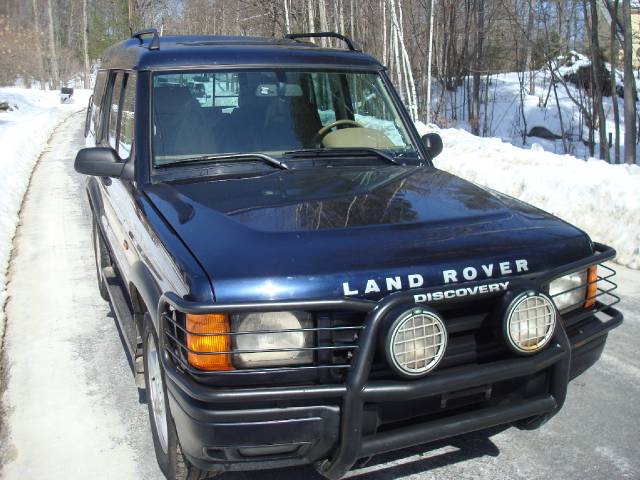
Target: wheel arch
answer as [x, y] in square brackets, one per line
[144, 293]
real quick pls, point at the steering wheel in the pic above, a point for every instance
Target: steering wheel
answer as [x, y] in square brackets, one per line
[327, 128]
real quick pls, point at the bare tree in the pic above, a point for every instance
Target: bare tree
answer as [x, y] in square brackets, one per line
[53, 56]
[474, 111]
[629, 88]
[85, 46]
[429, 60]
[287, 19]
[596, 85]
[533, 5]
[613, 54]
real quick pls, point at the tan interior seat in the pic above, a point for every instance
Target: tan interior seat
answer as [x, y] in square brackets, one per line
[356, 138]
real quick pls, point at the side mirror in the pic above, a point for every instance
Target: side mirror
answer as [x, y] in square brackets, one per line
[99, 162]
[433, 143]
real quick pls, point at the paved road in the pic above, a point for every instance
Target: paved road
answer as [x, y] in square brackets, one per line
[73, 411]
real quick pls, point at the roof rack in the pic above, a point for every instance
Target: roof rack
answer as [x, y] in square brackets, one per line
[353, 46]
[155, 41]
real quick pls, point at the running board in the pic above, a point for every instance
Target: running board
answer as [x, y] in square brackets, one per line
[126, 323]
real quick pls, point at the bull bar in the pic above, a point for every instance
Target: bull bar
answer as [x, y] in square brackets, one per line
[357, 389]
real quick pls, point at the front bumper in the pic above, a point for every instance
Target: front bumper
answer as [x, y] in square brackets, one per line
[333, 426]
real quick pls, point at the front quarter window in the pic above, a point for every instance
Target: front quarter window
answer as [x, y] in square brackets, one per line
[199, 114]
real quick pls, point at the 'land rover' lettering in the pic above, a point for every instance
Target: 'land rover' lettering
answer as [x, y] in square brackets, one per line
[466, 274]
[501, 268]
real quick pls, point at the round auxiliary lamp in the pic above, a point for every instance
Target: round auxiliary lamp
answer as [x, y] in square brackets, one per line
[415, 342]
[529, 322]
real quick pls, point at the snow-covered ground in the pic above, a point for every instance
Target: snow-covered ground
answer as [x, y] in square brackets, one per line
[23, 136]
[602, 199]
[71, 404]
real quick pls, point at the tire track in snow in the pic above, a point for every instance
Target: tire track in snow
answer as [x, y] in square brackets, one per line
[72, 406]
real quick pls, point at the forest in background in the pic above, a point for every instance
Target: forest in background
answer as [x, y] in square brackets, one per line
[459, 44]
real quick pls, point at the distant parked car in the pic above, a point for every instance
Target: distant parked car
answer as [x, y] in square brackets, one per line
[65, 94]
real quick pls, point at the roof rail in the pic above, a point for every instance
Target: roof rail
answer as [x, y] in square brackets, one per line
[350, 43]
[155, 41]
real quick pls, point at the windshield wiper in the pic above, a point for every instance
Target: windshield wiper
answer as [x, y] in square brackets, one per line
[226, 157]
[332, 152]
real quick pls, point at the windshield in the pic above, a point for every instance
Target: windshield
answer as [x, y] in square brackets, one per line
[206, 113]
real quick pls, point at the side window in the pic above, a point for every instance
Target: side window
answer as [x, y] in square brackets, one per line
[127, 117]
[95, 123]
[114, 111]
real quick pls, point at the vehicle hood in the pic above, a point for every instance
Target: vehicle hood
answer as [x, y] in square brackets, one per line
[303, 234]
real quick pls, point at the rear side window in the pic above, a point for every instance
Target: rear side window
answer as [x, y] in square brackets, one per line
[127, 117]
[226, 90]
[114, 111]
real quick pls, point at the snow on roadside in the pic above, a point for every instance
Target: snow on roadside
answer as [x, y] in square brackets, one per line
[602, 199]
[24, 133]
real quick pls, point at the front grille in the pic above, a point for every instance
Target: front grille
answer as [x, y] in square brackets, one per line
[473, 338]
[336, 334]
[473, 329]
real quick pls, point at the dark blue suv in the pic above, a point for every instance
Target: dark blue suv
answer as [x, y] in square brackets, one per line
[296, 283]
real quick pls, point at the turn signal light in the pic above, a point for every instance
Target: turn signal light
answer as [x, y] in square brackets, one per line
[209, 334]
[592, 286]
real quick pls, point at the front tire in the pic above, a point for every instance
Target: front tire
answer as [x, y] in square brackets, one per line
[171, 460]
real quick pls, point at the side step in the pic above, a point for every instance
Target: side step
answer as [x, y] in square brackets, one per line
[126, 324]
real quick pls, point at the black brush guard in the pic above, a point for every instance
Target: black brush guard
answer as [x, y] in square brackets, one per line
[357, 389]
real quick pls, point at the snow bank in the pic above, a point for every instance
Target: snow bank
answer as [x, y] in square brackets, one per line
[23, 136]
[602, 199]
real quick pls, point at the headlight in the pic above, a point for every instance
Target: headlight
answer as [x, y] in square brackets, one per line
[283, 345]
[575, 286]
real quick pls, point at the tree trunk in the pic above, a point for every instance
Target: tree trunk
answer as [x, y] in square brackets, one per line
[613, 53]
[528, 65]
[383, 7]
[596, 87]
[429, 57]
[351, 21]
[53, 56]
[322, 13]
[629, 88]
[287, 19]
[402, 60]
[36, 25]
[475, 98]
[85, 46]
[555, 94]
[410, 85]
[312, 21]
